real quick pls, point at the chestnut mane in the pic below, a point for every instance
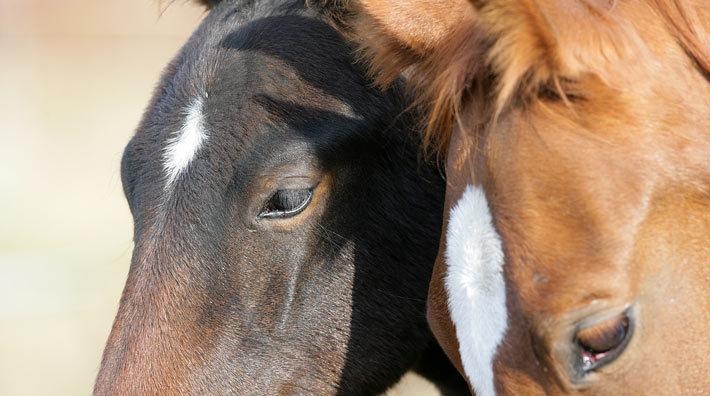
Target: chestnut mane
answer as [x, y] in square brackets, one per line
[509, 54]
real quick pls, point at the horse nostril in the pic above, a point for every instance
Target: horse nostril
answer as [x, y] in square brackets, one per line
[602, 342]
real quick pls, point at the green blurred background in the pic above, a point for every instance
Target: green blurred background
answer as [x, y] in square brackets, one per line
[75, 76]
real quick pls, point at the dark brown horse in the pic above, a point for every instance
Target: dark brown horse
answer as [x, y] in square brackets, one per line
[284, 230]
[577, 227]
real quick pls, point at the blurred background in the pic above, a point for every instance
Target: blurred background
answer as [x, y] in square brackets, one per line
[75, 76]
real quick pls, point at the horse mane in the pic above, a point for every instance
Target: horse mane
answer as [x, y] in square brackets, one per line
[685, 25]
[509, 53]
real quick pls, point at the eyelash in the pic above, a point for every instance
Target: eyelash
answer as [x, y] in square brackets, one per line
[591, 358]
[286, 203]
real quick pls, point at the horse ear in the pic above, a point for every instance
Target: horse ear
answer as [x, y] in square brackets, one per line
[208, 3]
[396, 34]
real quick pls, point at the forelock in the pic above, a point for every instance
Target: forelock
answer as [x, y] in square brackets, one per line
[512, 51]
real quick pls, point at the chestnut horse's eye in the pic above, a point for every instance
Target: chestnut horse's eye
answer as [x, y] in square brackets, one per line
[286, 203]
[602, 342]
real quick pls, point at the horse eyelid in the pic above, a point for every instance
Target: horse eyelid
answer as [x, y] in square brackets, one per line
[281, 214]
[591, 360]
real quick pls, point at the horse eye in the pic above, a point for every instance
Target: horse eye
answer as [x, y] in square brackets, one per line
[602, 342]
[286, 203]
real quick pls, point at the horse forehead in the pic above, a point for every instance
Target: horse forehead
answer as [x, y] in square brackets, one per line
[555, 211]
[183, 144]
[475, 286]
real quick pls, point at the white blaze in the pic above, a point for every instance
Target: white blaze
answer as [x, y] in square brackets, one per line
[182, 146]
[476, 287]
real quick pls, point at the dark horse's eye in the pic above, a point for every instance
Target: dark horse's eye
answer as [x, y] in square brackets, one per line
[286, 203]
[602, 342]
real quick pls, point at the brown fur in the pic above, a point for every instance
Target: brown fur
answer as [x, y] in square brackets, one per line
[588, 124]
[505, 48]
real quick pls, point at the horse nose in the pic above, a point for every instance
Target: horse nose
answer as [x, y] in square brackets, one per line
[180, 333]
[136, 360]
[166, 337]
[155, 337]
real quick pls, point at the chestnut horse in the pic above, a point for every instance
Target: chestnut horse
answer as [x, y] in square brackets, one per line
[576, 252]
[283, 242]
